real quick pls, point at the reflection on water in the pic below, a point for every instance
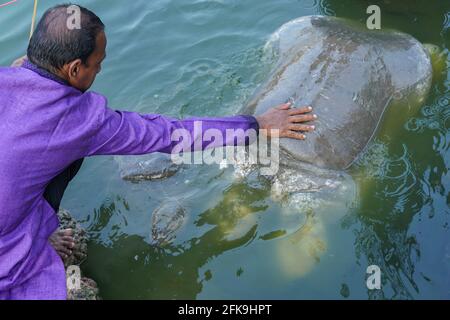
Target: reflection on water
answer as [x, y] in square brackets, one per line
[177, 266]
[403, 182]
[383, 237]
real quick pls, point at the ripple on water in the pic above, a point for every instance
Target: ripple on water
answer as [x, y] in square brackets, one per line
[396, 176]
[202, 12]
[325, 8]
[446, 23]
[434, 117]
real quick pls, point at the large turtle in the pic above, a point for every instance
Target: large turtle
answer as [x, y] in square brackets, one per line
[350, 75]
[357, 80]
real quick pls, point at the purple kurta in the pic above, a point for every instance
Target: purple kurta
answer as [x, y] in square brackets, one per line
[45, 126]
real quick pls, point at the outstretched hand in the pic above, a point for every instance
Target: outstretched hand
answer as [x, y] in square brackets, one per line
[291, 123]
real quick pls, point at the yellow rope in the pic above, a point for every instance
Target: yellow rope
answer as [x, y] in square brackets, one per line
[33, 20]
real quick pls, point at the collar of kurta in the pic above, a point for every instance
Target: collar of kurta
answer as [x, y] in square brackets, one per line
[43, 73]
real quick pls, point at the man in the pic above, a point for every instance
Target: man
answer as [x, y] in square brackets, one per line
[50, 123]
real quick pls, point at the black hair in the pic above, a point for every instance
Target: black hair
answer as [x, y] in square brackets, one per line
[54, 44]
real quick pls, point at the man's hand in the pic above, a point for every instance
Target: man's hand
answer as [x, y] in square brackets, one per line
[19, 62]
[289, 122]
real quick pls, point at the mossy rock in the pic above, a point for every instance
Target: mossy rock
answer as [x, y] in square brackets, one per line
[81, 239]
[89, 289]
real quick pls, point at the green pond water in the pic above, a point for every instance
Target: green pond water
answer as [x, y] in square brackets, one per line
[182, 58]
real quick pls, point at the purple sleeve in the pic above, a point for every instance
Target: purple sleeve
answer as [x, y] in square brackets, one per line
[130, 133]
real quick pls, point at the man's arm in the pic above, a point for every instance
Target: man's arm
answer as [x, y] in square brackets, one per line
[130, 133]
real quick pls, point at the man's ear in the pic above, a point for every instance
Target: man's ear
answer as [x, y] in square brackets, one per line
[73, 69]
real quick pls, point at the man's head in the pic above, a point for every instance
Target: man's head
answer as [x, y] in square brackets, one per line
[73, 54]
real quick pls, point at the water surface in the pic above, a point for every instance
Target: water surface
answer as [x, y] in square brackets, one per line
[184, 58]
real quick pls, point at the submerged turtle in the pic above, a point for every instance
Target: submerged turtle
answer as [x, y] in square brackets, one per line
[357, 81]
[147, 167]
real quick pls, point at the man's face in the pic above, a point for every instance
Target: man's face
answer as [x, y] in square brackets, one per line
[82, 76]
